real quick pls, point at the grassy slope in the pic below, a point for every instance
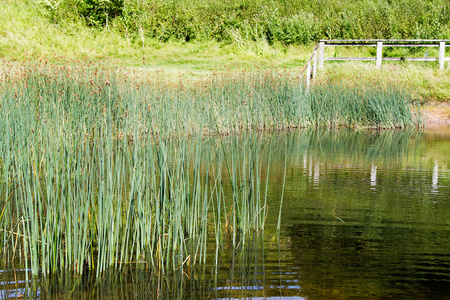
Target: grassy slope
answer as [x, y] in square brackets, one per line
[25, 34]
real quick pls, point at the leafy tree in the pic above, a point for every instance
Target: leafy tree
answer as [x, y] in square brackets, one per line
[99, 12]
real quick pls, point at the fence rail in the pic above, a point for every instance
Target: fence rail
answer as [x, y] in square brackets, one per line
[317, 59]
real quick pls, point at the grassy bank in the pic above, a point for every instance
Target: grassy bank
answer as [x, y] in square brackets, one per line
[31, 31]
[22, 39]
[426, 82]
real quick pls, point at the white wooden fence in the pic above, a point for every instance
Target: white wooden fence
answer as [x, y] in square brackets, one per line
[317, 59]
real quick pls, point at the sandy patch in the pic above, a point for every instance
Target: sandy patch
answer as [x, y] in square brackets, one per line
[437, 115]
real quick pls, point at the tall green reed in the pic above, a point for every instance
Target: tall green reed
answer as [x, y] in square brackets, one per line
[98, 171]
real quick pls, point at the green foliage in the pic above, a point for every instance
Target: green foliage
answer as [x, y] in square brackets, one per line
[287, 21]
[99, 12]
[95, 13]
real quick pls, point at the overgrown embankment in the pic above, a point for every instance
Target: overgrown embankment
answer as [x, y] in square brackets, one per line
[139, 24]
[221, 102]
[288, 21]
[227, 36]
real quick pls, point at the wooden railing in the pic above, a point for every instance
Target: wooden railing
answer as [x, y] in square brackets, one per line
[317, 59]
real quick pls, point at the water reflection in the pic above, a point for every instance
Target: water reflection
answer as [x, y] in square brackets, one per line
[373, 175]
[434, 185]
[375, 223]
[15, 285]
[366, 214]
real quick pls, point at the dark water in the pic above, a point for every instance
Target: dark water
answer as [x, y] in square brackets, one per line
[365, 215]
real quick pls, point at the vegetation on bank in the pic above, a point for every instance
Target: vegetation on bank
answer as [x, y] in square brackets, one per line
[287, 21]
[130, 24]
[222, 102]
[426, 82]
[29, 32]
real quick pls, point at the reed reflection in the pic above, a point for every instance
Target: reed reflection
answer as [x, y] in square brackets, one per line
[364, 213]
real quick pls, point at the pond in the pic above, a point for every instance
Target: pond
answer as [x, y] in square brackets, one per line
[364, 215]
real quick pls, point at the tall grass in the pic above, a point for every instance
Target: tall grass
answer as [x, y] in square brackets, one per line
[426, 83]
[102, 203]
[100, 170]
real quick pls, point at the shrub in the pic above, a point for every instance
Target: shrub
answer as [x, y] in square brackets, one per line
[98, 12]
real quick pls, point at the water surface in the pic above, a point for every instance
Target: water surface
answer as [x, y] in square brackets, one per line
[365, 215]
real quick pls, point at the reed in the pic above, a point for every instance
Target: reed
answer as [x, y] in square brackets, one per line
[99, 170]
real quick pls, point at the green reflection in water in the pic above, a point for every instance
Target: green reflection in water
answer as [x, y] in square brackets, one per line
[367, 215]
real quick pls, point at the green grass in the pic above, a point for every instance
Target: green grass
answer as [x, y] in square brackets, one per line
[425, 81]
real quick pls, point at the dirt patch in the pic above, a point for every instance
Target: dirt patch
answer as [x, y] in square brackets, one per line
[437, 115]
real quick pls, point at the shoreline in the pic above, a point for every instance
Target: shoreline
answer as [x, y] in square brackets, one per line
[437, 115]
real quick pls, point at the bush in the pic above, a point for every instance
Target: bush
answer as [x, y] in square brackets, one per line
[287, 21]
[98, 12]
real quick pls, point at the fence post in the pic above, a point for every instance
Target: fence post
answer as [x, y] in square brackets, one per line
[308, 74]
[379, 53]
[321, 54]
[441, 55]
[314, 65]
